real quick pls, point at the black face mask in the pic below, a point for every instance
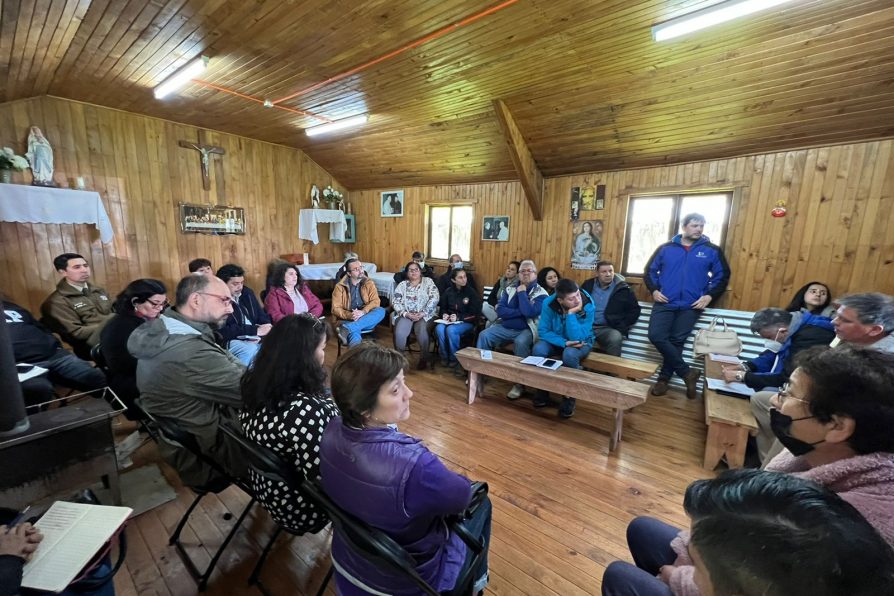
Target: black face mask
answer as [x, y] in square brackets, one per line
[782, 425]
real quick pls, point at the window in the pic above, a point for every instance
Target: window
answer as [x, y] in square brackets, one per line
[450, 231]
[653, 220]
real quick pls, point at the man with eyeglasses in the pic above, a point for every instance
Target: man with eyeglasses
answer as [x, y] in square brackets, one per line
[77, 309]
[356, 305]
[34, 345]
[183, 374]
[519, 310]
[248, 322]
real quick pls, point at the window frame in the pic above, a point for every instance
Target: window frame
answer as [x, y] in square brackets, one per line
[677, 196]
[428, 231]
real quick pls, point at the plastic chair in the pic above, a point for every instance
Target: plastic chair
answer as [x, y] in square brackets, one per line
[175, 433]
[268, 464]
[377, 546]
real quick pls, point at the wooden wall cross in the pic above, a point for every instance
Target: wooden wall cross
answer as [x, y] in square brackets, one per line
[205, 151]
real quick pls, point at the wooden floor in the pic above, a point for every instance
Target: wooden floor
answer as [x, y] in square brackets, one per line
[561, 505]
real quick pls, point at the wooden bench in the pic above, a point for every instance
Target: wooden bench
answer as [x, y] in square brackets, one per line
[615, 393]
[625, 368]
[729, 421]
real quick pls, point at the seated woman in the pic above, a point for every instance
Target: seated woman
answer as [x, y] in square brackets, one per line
[548, 278]
[762, 533]
[815, 298]
[286, 409]
[834, 418]
[391, 481]
[142, 300]
[460, 308]
[415, 303]
[510, 276]
[289, 294]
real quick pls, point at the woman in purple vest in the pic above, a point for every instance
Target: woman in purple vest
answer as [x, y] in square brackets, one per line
[391, 481]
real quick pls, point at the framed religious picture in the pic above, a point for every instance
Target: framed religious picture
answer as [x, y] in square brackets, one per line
[586, 245]
[392, 202]
[217, 220]
[350, 232]
[600, 197]
[587, 198]
[495, 227]
[575, 203]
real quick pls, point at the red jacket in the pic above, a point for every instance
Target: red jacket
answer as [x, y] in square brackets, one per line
[278, 304]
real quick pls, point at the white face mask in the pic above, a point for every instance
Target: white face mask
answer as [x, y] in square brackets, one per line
[458, 265]
[773, 344]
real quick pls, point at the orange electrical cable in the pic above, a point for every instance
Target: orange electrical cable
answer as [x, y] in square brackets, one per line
[260, 101]
[409, 46]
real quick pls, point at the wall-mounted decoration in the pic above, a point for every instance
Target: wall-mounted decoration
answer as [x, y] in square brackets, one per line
[217, 220]
[779, 209]
[350, 232]
[575, 203]
[600, 197]
[392, 203]
[587, 198]
[495, 227]
[587, 245]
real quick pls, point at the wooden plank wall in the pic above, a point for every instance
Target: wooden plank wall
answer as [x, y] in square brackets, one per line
[839, 228]
[135, 164]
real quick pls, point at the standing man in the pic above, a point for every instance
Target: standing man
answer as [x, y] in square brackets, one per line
[616, 309]
[519, 310]
[77, 310]
[248, 319]
[355, 304]
[684, 275]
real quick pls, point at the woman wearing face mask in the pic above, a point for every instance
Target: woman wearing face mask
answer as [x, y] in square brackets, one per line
[834, 419]
[785, 335]
[391, 481]
[815, 298]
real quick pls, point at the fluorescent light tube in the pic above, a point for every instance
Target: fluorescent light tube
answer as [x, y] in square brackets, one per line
[181, 77]
[710, 16]
[337, 125]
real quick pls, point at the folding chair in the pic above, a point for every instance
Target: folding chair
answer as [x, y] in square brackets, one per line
[175, 433]
[375, 545]
[267, 464]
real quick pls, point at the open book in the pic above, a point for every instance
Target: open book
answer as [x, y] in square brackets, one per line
[72, 534]
[550, 363]
[443, 322]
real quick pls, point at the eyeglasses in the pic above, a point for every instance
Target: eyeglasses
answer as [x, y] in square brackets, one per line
[162, 305]
[225, 300]
[784, 394]
[526, 271]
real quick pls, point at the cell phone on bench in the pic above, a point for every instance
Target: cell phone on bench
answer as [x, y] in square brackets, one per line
[249, 337]
[549, 363]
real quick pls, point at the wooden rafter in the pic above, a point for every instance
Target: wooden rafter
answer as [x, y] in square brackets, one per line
[528, 172]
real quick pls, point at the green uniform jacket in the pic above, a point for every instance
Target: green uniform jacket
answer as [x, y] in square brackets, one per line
[77, 317]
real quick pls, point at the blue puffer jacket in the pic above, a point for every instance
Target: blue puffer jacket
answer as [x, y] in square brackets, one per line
[556, 327]
[683, 275]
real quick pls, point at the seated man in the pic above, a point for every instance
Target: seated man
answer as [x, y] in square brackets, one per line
[184, 375]
[418, 258]
[247, 319]
[519, 310]
[566, 329]
[355, 304]
[33, 344]
[342, 271]
[77, 310]
[616, 307]
[200, 266]
[444, 281]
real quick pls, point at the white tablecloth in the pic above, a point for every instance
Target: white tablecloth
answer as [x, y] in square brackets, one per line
[384, 283]
[40, 204]
[309, 218]
[328, 270]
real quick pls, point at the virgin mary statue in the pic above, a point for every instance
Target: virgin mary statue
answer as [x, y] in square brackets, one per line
[40, 155]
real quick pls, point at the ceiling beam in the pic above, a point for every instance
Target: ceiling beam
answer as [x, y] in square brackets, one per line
[528, 172]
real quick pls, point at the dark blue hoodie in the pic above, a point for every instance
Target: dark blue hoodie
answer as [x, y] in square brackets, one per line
[684, 275]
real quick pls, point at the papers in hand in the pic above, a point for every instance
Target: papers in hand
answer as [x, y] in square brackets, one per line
[724, 387]
[725, 359]
[550, 363]
[29, 371]
[446, 322]
[72, 534]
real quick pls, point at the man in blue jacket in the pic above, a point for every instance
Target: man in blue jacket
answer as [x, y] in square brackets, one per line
[684, 275]
[566, 328]
[248, 319]
[519, 310]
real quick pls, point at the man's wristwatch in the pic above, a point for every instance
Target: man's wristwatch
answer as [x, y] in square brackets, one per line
[740, 376]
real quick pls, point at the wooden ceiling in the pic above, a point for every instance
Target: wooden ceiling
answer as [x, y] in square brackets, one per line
[585, 84]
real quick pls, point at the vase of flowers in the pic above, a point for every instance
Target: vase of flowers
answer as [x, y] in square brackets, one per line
[9, 161]
[332, 196]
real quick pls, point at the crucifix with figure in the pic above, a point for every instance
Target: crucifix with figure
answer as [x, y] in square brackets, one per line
[206, 151]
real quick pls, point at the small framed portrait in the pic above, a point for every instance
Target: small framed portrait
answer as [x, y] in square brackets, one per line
[392, 203]
[203, 219]
[495, 227]
[350, 232]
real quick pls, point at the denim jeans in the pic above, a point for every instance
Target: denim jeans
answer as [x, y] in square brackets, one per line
[245, 351]
[66, 369]
[668, 330]
[497, 335]
[449, 337]
[649, 542]
[365, 323]
[571, 357]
